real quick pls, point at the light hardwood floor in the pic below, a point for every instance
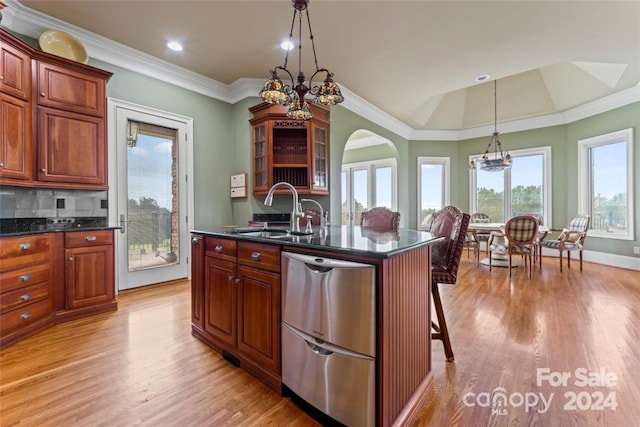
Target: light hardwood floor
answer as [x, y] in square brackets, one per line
[141, 366]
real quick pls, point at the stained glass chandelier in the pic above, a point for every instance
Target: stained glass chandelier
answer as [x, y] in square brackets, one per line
[297, 94]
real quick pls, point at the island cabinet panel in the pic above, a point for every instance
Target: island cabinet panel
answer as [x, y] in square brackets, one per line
[220, 299]
[240, 285]
[259, 316]
[405, 337]
[197, 280]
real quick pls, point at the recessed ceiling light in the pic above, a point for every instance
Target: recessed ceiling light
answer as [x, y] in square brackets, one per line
[174, 46]
[482, 77]
[286, 45]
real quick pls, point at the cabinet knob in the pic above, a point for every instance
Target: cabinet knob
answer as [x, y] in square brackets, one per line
[25, 246]
[70, 258]
[218, 249]
[195, 240]
[237, 280]
[1, 77]
[230, 279]
[1, 164]
[43, 94]
[43, 170]
[25, 316]
[256, 256]
[25, 277]
[25, 297]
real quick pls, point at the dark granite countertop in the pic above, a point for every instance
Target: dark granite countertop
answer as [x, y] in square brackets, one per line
[26, 226]
[343, 239]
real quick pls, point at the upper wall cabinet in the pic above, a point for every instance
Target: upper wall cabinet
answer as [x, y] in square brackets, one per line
[56, 135]
[16, 141]
[293, 151]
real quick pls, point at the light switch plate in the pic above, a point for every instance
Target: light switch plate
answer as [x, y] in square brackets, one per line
[238, 180]
[238, 192]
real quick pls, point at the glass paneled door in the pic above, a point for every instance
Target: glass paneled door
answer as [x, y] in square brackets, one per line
[151, 199]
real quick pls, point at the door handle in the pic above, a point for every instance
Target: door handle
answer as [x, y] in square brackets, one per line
[123, 223]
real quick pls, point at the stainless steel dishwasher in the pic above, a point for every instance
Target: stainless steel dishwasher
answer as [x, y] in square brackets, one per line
[328, 335]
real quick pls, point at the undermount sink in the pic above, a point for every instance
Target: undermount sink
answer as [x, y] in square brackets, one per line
[270, 233]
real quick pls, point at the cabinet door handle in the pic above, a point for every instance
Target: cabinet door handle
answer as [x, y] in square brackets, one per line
[90, 239]
[230, 279]
[25, 297]
[218, 249]
[195, 240]
[25, 277]
[25, 246]
[256, 256]
[237, 280]
[25, 316]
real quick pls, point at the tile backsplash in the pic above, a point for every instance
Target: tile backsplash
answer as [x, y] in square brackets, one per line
[18, 202]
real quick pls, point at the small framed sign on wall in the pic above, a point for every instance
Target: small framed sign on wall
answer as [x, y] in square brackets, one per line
[239, 185]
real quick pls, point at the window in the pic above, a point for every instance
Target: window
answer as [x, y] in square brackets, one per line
[523, 189]
[433, 187]
[366, 185]
[605, 184]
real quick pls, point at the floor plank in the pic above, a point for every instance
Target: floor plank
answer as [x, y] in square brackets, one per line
[141, 366]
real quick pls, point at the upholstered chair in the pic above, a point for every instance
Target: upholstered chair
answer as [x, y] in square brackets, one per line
[380, 218]
[520, 232]
[481, 236]
[571, 239]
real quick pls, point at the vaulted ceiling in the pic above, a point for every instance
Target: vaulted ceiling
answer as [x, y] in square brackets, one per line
[414, 60]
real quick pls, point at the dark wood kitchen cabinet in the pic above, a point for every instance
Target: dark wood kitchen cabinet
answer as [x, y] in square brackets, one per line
[241, 311]
[16, 138]
[294, 151]
[53, 120]
[27, 278]
[89, 272]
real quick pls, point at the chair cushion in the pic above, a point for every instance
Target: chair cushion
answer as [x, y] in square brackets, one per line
[555, 244]
[572, 237]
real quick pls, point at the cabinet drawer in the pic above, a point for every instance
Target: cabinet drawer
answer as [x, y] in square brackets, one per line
[75, 239]
[266, 257]
[19, 251]
[24, 296]
[24, 315]
[220, 248]
[27, 276]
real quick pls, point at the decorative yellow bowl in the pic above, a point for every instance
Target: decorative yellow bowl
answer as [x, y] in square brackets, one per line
[63, 44]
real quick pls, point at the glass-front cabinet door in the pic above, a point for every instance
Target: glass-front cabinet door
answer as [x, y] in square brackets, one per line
[320, 153]
[260, 175]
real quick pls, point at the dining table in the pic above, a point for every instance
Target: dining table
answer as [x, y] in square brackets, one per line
[498, 259]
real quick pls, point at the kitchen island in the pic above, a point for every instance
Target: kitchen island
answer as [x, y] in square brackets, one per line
[236, 303]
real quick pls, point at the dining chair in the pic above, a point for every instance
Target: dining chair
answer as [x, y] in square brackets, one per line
[537, 248]
[380, 218]
[452, 224]
[571, 239]
[472, 242]
[520, 233]
[481, 236]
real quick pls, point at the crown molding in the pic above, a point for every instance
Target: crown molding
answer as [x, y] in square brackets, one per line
[29, 22]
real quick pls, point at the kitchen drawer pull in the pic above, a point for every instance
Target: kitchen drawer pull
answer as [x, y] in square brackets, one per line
[256, 256]
[25, 297]
[25, 316]
[25, 277]
[90, 239]
[218, 249]
[25, 246]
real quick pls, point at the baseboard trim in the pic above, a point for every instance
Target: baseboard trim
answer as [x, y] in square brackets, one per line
[613, 260]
